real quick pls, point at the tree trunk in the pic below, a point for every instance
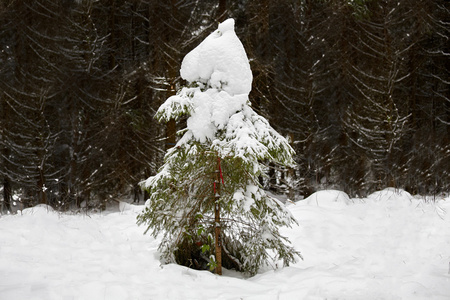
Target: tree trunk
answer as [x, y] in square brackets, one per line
[4, 123]
[222, 11]
[42, 194]
[171, 126]
[171, 130]
[218, 243]
[111, 25]
[6, 193]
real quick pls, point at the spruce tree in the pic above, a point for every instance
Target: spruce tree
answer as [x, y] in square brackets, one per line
[206, 200]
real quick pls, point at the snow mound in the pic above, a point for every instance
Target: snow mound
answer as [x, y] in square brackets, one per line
[327, 198]
[391, 194]
[220, 62]
[125, 207]
[40, 209]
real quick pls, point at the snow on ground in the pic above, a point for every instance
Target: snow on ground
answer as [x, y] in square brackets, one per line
[386, 246]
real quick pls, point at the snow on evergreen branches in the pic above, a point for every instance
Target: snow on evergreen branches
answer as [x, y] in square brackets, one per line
[221, 126]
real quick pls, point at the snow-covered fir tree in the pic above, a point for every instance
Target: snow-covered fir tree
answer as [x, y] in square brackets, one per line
[206, 200]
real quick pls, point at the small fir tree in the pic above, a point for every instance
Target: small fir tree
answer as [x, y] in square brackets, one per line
[206, 200]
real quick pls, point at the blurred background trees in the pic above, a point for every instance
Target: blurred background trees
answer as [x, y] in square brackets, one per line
[360, 87]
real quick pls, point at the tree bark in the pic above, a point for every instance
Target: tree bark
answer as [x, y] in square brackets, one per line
[171, 128]
[222, 11]
[218, 243]
[4, 123]
[6, 194]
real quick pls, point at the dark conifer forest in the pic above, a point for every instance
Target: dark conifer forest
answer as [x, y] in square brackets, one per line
[360, 87]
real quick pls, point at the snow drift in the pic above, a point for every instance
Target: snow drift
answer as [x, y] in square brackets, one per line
[389, 245]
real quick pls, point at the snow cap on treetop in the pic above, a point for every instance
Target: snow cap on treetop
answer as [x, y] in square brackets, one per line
[219, 62]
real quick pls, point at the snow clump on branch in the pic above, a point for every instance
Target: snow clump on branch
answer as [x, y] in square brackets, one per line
[217, 101]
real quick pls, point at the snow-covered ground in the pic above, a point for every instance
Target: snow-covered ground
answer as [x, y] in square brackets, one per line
[387, 246]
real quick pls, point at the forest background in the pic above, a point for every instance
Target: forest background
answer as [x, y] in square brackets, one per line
[361, 87]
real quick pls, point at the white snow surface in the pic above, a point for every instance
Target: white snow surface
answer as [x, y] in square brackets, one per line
[389, 245]
[220, 62]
